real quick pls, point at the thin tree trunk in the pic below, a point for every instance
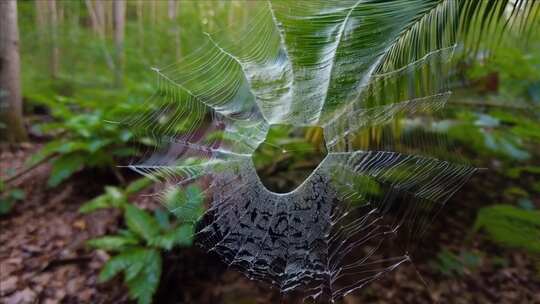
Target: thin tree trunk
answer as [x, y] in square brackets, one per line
[94, 18]
[41, 21]
[109, 17]
[10, 83]
[60, 8]
[100, 31]
[119, 17]
[55, 51]
[75, 17]
[140, 22]
[100, 16]
[153, 11]
[173, 13]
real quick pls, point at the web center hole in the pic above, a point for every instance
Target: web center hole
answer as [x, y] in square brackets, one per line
[288, 156]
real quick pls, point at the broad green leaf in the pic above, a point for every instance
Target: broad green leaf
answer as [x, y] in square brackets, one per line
[116, 196]
[99, 202]
[17, 194]
[138, 185]
[97, 144]
[511, 226]
[141, 222]
[162, 218]
[124, 151]
[184, 235]
[144, 285]
[112, 243]
[131, 258]
[126, 135]
[5, 205]
[180, 236]
[44, 152]
[72, 146]
[187, 205]
[64, 166]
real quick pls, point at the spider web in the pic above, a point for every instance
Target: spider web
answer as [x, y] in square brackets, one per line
[316, 63]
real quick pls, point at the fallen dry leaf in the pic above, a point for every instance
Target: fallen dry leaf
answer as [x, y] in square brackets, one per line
[25, 296]
[8, 285]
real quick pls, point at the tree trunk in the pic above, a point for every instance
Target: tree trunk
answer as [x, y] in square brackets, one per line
[172, 9]
[119, 17]
[41, 18]
[153, 12]
[172, 13]
[60, 9]
[55, 52]
[99, 29]
[10, 83]
[109, 17]
[100, 16]
[94, 18]
[140, 22]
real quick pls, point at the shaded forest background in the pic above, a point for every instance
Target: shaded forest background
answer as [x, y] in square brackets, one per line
[71, 219]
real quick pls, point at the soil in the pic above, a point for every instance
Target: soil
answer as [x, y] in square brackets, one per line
[43, 257]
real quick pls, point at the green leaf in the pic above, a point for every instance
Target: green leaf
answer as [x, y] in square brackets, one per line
[162, 218]
[182, 236]
[526, 203]
[126, 135]
[141, 223]
[72, 146]
[131, 258]
[186, 205]
[97, 144]
[64, 166]
[99, 202]
[511, 226]
[138, 185]
[124, 151]
[116, 196]
[5, 205]
[112, 243]
[127, 233]
[45, 151]
[144, 285]
[17, 194]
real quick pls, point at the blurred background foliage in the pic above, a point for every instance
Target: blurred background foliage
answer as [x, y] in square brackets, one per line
[73, 95]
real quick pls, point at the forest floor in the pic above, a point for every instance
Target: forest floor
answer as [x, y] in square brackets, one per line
[43, 257]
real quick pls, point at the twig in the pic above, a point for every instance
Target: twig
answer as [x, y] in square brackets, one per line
[118, 175]
[66, 261]
[473, 102]
[30, 168]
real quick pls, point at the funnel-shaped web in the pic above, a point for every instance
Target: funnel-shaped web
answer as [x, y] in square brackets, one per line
[373, 75]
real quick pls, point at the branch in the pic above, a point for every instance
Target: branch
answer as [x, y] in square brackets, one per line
[30, 168]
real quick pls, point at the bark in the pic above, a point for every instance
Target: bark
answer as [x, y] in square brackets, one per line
[171, 12]
[119, 17]
[10, 83]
